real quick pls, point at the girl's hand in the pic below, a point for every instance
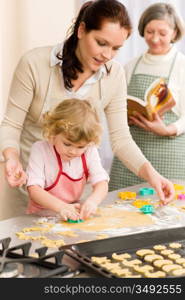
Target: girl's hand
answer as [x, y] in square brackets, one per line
[70, 211]
[14, 173]
[156, 126]
[88, 208]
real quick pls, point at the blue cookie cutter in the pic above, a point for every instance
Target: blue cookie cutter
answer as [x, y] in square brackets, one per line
[146, 191]
[75, 221]
[147, 209]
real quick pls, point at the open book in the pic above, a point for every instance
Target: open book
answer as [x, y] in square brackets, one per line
[158, 98]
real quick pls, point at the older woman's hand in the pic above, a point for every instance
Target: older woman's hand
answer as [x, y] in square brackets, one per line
[156, 126]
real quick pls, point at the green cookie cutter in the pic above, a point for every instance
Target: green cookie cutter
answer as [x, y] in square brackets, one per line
[146, 191]
[147, 209]
[75, 221]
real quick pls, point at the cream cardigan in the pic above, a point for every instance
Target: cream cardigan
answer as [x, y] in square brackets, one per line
[37, 86]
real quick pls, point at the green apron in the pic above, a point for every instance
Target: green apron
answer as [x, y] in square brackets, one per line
[166, 154]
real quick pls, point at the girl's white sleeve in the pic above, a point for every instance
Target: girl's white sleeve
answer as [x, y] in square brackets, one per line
[96, 172]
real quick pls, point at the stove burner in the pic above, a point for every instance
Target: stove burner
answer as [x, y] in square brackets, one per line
[9, 271]
[16, 262]
[28, 271]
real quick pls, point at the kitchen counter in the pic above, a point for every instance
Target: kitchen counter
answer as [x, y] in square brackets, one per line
[9, 227]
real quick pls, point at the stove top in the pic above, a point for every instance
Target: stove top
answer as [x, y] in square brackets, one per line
[17, 262]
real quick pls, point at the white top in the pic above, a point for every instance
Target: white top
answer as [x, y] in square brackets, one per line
[159, 65]
[80, 93]
[43, 167]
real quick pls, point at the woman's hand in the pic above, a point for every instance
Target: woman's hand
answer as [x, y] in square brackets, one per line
[163, 186]
[14, 172]
[70, 211]
[88, 208]
[156, 126]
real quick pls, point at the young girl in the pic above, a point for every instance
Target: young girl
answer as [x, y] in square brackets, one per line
[60, 166]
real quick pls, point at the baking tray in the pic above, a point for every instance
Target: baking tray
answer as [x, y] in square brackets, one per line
[82, 252]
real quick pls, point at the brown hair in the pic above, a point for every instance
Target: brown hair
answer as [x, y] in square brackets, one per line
[92, 13]
[75, 119]
[162, 11]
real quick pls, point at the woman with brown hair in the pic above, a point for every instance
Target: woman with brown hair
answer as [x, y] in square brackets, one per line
[83, 67]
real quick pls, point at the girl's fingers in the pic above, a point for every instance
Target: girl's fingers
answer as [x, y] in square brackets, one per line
[71, 215]
[77, 207]
[85, 214]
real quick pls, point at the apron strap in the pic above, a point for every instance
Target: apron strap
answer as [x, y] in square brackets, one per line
[137, 63]
[58, 159]
[84, 166]
[170, 71]
[135, 67]
[83, 163]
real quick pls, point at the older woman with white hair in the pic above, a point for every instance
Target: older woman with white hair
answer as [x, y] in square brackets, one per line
[162, 140]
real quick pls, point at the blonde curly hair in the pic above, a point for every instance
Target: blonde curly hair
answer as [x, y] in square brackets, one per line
[75, 119]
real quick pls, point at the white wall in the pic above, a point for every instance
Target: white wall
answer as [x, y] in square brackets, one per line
[27, 24]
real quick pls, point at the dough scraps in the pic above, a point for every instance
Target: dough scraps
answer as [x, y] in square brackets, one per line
[68, 233]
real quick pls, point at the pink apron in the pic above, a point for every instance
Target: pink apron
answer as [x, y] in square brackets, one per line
[64, 187]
